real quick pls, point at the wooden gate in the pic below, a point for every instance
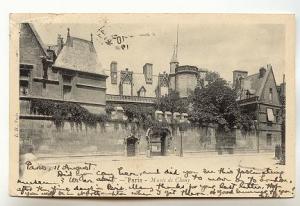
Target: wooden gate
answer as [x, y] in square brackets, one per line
[131, 142]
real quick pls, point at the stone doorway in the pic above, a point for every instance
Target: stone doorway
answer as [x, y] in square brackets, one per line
[131, 146]
[158, 141]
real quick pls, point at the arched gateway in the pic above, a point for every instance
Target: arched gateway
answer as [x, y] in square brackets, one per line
[159, 141]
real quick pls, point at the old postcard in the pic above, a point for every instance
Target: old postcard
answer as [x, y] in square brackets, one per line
[152, 105]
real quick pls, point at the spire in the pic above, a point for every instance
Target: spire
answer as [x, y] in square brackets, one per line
[68, 35]
[91, 37]
[177, 40]
[175, 51]
[174, 56]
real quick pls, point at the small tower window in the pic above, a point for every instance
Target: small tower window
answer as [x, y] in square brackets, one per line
[271, 95]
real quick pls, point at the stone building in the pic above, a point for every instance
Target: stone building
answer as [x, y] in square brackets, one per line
[258, 96]
[126, 86]
[65, 72]
[69, 71]
[186, 78]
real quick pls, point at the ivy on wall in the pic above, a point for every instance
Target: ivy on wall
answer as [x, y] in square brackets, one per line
[66, 111]
[142, 115]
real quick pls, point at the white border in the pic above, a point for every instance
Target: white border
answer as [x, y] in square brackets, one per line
[138, 6]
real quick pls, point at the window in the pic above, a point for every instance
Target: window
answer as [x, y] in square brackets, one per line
[269, 139]
[67, 92]
[164, 91]
[24, 88]
[67, 87]
[67, 79]
[24, 79]
[126, 89]
[142, 92]
[271, 95]
[277, 115]
[24, 74]
[270, 115]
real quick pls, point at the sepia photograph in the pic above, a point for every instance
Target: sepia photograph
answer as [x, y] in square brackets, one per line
[152, 105]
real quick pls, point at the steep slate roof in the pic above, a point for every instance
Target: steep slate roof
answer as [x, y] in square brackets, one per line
[38, 38]
[254, 84]
[79, 54]
[139, 81]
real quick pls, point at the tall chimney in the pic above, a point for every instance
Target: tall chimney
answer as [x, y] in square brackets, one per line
[148, 71]
[262, 72]
[237, 76]
[114, 72]
[60, 43]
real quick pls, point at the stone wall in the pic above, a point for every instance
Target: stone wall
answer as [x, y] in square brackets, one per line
[110, 139]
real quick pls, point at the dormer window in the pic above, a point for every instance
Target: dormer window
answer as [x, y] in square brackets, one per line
[141, 92]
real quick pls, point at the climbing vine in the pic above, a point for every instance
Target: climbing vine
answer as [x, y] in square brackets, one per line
[66, 111]
[142, 115]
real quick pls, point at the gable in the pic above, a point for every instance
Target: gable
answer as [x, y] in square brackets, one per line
[30, 44]
[270, 87]
[142, 89]
[31, 37]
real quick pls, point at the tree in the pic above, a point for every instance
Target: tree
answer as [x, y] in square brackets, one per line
[212, 76]
[171, 102]
[143, 115]
[215, 103]
[109, 109]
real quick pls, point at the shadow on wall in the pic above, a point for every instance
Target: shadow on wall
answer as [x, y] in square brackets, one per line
[110, 139]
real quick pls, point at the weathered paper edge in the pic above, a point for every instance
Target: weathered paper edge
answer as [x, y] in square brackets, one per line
[287, 19]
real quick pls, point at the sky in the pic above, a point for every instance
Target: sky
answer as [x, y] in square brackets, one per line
[220, 47]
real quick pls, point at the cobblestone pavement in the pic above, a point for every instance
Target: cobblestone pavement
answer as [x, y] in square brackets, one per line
[261, 160]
